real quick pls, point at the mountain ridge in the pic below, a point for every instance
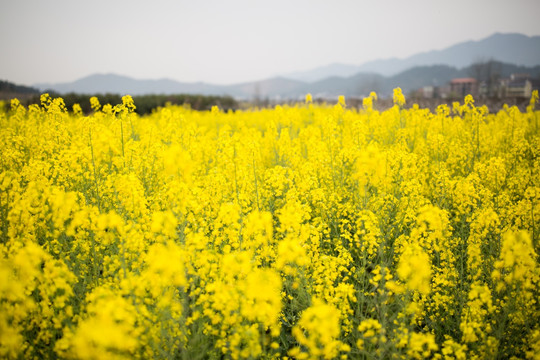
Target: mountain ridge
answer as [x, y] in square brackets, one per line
[510, 48]
[430, 69]
[359, 84]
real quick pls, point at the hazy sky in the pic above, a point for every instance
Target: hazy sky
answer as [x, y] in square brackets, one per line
[234, 41]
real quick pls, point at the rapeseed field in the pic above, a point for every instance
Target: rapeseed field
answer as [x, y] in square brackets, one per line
[297, 232]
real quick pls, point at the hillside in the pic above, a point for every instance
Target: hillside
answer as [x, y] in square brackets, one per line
[507, 53]
[9, 90]
[359, 84]
[516, 49]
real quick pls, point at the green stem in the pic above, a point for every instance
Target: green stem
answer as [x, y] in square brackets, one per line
[256, 184]
[95, 173]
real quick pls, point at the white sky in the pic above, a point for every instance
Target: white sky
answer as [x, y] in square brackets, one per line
[234, 41]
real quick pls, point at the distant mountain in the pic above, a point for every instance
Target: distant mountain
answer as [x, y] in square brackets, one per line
[409, 80]
[507, 48]
[416, 77]
[359, 84]
[439, 75]
[118, 84]
[274, 87]
[323, 72]
[507, 53]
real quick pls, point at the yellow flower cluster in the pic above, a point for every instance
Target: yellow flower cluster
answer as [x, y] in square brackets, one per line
[312, 231]
[318, 331]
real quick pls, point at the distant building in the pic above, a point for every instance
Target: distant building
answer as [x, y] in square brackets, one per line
[519, 86]
[427, 92]
[443, 92]
[462, 87]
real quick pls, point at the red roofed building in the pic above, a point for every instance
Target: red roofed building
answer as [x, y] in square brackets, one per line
[462, 87]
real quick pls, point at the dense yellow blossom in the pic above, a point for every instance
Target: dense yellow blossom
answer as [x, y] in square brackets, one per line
[318, 331]
[312, 230]
[415, 269]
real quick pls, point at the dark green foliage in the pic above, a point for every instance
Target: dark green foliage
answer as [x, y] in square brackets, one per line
[145, 103]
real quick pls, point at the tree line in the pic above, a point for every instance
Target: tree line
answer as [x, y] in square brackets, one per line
[145, 103]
